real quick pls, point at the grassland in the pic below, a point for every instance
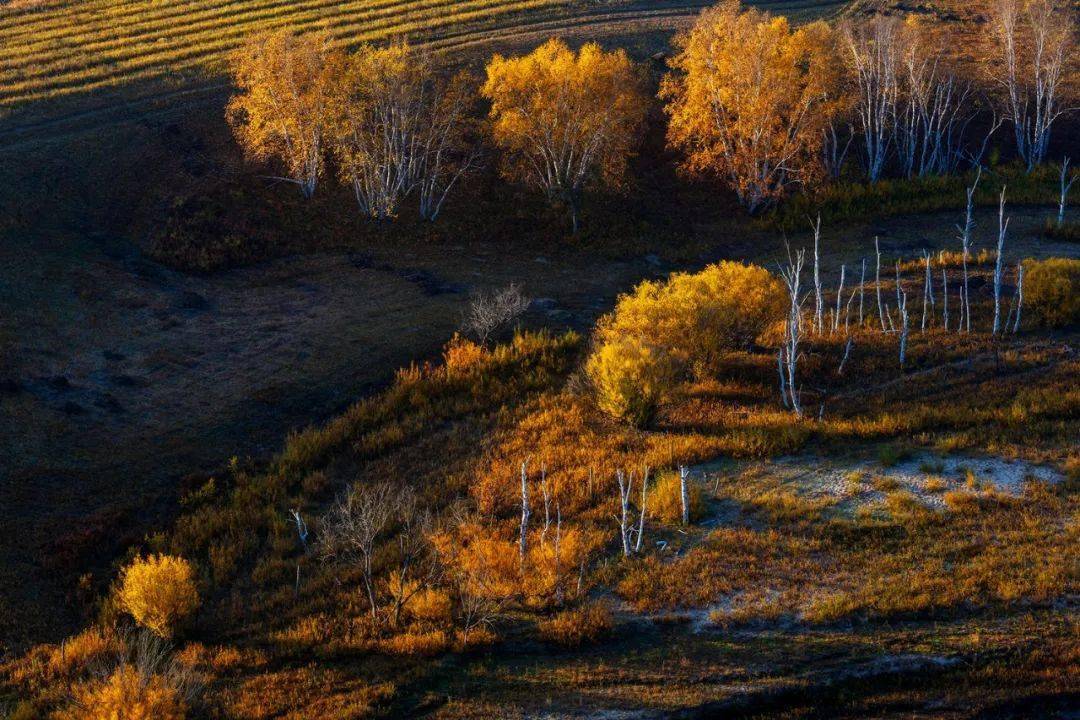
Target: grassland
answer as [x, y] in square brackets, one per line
[55, 49]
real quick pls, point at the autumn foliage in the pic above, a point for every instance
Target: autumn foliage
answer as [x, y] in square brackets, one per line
[127, 694]
[750, 98]
[565, 119]
[662, 330]
[280, 111]
[159, 592]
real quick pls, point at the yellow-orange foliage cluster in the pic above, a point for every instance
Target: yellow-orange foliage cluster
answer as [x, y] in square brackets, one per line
[1052, 290]
[565, 118]
[159, 592]
[751, 98]
[661, 330]
[281, 110]
[127, 694]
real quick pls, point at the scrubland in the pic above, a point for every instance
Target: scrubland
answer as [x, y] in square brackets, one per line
[758, 483]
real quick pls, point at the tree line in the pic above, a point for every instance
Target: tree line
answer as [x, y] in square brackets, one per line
[751, 100]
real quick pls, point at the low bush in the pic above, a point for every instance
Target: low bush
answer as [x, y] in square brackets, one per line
[698, 317]
[665, 498]
[159, 592]
[630, 379]
[574, 627]
[127, 694]
[1052, 291]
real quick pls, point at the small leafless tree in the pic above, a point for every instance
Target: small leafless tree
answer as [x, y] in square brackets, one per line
[928, 292]
[1019, 295]
[1066, 185]
[839, 299]
[819, 302]
[965, 242]
[684, 493]
[525, 512]
[877, 284]
[490, 312]
[1003, 227]
[789, 350]
[641, 515]
[901, 306]
[945, 299]
[356, 523]
[862, 285]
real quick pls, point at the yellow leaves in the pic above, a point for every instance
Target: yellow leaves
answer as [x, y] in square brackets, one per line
[696, 317]
[630, 378]
[159, 592]
[565, 117]
[750, 98]
[127, 694]
[280, 109]
[1052, 290]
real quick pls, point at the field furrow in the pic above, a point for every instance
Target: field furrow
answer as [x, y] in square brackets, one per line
[70, 48]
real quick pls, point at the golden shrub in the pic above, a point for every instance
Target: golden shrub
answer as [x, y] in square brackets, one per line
[127, 694]
[417, 643]
[577, 626]
[462, 355]
[159, 592]
[430, 605]
[698, 317]
[630, 378]
[1052, 291]
[80, 651]
[665, 498]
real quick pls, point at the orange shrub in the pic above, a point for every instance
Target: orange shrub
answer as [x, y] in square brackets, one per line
[698, 317]
[462, 355]
[577, 626]
[417, 643]
[430, 605]
[665, 498]
[1052, 290]
[630, 379]
[127, 694]
[159, 592]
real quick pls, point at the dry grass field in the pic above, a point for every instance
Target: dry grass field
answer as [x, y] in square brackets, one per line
[55, 49]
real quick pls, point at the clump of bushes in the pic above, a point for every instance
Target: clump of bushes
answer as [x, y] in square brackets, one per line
[662, 331]
[630, 378]
[128, 694]
[159, 592]
[1052, 291]
[576, 626]
[699, 317]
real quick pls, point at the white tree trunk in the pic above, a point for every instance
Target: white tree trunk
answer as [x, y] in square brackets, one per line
[1003, 227]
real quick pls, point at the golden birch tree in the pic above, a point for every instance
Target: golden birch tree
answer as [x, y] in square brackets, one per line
[280, 108]
[750, 100]
[565, 119]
